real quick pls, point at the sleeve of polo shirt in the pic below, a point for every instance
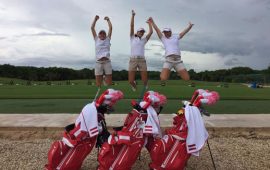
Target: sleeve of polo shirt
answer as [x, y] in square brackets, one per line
[162, 39]
[145, 40]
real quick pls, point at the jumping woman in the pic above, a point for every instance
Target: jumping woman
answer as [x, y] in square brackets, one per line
[172, 52]
[103, 62]
[137, 59]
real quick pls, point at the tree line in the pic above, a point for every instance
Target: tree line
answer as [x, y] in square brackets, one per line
[236, 74]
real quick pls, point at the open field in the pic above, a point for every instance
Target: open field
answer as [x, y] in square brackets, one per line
[75, 106]
[61, 98]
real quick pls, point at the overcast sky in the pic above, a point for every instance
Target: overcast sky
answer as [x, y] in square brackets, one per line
[57, 32]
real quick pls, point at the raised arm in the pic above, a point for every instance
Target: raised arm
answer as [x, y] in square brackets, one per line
[156, 27]
[93, 27]
[150, 29]
[132, 23]
[183, 33]
[110, 27]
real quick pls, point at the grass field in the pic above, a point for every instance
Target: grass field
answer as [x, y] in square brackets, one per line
[62, 98]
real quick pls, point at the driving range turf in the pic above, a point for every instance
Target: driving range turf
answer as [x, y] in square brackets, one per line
[39, 97]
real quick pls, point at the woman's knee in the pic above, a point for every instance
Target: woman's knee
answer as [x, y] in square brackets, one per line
[98, 80]
[163, 77]
[184, 75]
[108, 79]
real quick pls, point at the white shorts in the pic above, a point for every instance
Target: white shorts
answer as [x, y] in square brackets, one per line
[177, 66]
[102, 67]
[175, 62]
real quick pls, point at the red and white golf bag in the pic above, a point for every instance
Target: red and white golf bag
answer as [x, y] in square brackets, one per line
[185, 138]
[124, 146]
[80, 138]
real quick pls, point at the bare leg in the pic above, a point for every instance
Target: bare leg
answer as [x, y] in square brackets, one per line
[164, 75]
[183, 74]
[144, 78]
[99, 79]
[108, 79]
[131, 79]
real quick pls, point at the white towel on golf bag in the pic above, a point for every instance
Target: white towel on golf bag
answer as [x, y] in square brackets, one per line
[197, 134]
[88, 120]
[152, 124]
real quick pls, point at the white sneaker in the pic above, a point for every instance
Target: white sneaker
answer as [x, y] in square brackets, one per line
[146, 87]
[133, 88]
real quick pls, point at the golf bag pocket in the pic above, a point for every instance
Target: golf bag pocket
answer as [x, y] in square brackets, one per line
[124, 146]
[63, 157]
[169, 153]
[119, 157]
[56, 153]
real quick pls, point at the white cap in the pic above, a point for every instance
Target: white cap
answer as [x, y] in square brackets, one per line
[140, 29]
[167, 30]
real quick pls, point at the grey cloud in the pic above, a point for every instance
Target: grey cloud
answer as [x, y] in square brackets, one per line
[226, 45]
[232, 62]
[2, 38]
[50, 34]
[254, 19]
[44, 61]
[154, 64]
[121, 62]
[44, 34]
[220, 27]
[157, 45]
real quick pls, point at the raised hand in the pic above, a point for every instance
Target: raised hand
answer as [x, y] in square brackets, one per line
[190, 24]
[133, 13]
[106, 18]
[149, 21]
[96, 17]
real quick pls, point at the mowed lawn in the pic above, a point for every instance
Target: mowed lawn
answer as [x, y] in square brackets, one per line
[62, 98]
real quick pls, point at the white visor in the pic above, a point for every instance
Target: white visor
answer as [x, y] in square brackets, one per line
[167, 30]
[140, 29]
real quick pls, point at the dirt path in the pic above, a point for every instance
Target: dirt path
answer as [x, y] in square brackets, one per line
[246, 149]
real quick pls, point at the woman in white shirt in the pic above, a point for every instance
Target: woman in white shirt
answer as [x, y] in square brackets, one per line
[137, 59]
[103, 62]
[172, 52]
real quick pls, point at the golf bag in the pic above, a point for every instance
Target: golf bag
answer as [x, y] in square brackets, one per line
[61, 156]
[80, 138]
[169, 153]
[187, 136]
[125, 144]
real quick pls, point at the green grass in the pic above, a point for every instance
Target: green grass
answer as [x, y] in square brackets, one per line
[42, 98]
[75, 106]
[173, 90]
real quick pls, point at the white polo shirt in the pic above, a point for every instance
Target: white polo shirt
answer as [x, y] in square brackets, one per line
[102, 47]
[171, 45]
[137, 46]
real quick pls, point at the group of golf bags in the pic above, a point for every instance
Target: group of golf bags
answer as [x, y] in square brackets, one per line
[120, 149]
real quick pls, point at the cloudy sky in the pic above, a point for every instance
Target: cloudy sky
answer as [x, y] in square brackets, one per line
[57, 32]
